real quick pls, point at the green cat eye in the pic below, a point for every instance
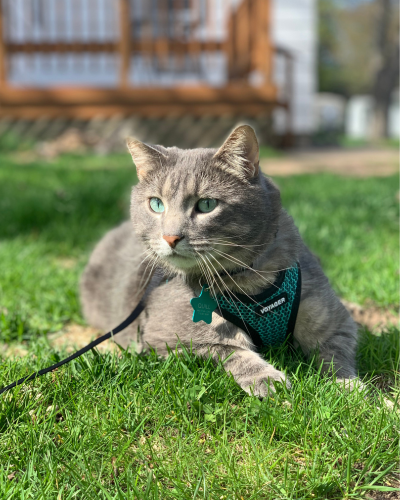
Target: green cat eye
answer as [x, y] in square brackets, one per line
[206, 205]
[157, 205]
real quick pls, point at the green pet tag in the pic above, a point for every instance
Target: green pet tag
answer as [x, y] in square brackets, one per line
[203, 306]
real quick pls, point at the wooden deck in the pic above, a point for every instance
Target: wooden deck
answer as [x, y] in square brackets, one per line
[84, 103]
[244, 44]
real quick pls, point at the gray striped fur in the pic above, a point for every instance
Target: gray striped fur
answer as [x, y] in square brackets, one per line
[248, 226]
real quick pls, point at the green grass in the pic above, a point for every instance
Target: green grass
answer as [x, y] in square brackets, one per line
[139, 427]
[128, 426]
[353, 227]
[52, 215]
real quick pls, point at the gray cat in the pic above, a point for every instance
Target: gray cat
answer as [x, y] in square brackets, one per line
[210, 217]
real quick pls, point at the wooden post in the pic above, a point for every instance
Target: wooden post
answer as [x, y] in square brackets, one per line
[3, 55]
[242, 40]
[193, 48]
[230, 43]
[161, 44]
[125, 42]
[261, 54]
[266, 19]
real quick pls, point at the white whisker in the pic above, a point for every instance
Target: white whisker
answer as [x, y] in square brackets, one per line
[238, 261]
[230, 294]
[244, 293]
[213, 290]
[216, 282]
[221, 242]
[154, 261]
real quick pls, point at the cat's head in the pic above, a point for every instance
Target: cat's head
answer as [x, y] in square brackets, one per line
[204, 211]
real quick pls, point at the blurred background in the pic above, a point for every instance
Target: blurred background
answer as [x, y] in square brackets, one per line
[318, 80]
[183, 72]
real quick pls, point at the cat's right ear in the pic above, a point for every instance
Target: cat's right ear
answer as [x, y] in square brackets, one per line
[239, 154]
[146, 158]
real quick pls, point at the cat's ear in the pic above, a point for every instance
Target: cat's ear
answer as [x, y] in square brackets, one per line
[239, 154]
[146, 158]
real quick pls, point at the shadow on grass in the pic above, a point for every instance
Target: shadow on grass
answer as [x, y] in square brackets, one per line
[69, 206]
[377, 357]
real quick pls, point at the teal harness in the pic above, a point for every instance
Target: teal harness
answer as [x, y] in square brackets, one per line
[269, 317]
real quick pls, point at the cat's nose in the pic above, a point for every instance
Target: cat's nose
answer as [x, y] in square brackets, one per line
[172, 240]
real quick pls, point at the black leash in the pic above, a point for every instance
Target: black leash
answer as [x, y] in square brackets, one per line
[155, 281]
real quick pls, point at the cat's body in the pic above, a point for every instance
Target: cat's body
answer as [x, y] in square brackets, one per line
[247, 233]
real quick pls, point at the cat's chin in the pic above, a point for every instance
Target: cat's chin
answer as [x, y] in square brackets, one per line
[182, 263]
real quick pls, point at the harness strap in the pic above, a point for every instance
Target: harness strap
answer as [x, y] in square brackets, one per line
[295, 307]
[241, 323]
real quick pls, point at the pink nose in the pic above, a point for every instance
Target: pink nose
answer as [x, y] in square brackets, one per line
[172, 240]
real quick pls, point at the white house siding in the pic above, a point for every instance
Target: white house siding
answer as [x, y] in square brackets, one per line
[62, 20]
[294, 27]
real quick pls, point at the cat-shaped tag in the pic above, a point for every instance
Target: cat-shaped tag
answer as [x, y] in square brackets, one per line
[203, 306]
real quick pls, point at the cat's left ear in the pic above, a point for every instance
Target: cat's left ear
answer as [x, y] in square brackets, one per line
[146, 158]
[239, 154]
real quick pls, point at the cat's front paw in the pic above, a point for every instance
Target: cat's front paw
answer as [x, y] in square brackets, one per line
[351, 384]
[263, 384]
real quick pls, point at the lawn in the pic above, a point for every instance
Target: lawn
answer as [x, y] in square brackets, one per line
[124, 426]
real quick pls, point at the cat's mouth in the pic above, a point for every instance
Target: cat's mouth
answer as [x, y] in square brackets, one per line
[182, 261]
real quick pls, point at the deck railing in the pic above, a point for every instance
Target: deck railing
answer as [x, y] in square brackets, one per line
[208, 48]
[196, 40]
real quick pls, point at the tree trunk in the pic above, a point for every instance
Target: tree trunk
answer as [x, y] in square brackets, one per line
[387, 75]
